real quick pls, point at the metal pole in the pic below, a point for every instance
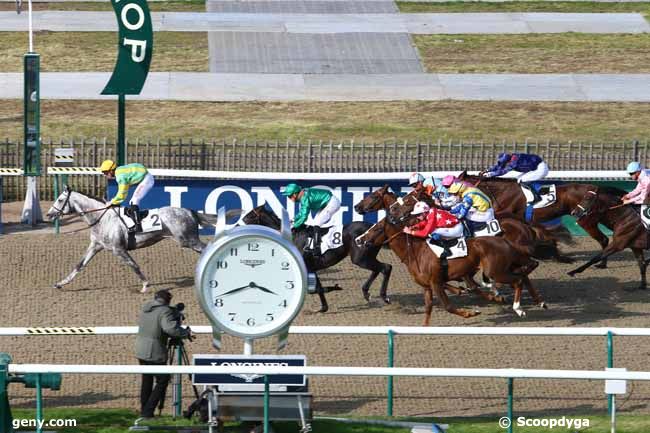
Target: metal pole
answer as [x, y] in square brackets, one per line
[121, 129]
[39, 404]
[266, 403]
[1, 225]
[510, 402]
[610, 364]
[179, 384]
[57, 224]
[391, 364]
[613, 401]
[31, 37]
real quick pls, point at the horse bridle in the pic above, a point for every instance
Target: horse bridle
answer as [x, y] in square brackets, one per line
[584, 211]
[61, 212]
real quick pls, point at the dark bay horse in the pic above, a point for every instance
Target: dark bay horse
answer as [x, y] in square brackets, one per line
[507, 197]
[604, 204]
[494, 256]
[362, 256]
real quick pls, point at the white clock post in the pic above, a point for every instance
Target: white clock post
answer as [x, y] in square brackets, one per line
[251, 282]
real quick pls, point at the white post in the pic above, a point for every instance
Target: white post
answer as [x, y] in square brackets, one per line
[613, 413]
[31, 38]
[248, 346]
[31, 208]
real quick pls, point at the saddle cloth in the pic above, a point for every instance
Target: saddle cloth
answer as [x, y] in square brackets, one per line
[645, 216]
[331, 240]
[458, 249]
[150, 223]
[546, 199]
[489, 228]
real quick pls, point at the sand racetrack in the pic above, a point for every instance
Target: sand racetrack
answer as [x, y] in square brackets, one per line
[106, 295]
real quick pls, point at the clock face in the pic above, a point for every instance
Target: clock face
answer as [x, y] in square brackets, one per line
[252, 285]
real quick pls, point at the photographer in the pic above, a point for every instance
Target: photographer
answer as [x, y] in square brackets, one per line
[157, 323]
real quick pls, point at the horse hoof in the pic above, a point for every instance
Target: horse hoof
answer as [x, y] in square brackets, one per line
[144, 288]
[366, 296]
[543, 305]
[602, 265]
[337, 288]
[521, 313]
[58, 286]
[572, 273]
[386, 299]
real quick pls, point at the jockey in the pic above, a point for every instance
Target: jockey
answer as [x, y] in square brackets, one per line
[475, 205]
[447, 200]
[418, 183]
[321, 201]
[438, 223]
[642, 176]
[127, 175]
[530, 166]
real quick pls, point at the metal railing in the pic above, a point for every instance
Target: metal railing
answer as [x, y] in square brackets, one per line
[313, 156]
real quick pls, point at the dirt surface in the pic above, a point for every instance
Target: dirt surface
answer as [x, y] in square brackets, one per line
[106, 294]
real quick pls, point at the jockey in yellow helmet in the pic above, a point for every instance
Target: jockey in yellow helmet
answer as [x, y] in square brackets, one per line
[474, 205]
[126, 176]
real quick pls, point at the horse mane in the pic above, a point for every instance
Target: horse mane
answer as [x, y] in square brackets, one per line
[611, 190]
[101, 200]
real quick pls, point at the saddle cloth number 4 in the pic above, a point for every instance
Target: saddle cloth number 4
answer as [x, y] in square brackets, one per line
[457, 251]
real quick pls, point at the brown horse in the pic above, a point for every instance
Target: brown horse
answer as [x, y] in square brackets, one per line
[507, 197]
[494, 256]
[604, 205]
[387, 200]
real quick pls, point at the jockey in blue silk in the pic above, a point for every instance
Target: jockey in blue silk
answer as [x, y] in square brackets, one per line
[531, 168]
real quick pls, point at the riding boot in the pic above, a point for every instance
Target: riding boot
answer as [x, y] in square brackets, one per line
[316, 242]
[536, 197]
[135, 215]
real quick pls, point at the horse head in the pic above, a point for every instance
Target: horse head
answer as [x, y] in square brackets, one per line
[374, 236]
[61, 205]
[375, 201]
[262, 215]
[586, 205]
[400, 211]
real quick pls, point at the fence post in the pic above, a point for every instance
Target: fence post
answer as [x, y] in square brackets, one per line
[179, 384]
[1, 226]
[57, 223]
[266, 403]
[510, 402]
[610, 364]
[39, 405]
[391, 364]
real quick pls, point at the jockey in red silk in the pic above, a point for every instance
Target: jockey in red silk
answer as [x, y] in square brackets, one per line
[438, 223]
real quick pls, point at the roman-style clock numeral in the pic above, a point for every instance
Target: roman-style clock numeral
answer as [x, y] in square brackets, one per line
[221, 264]
[233, 251]
[253, 246]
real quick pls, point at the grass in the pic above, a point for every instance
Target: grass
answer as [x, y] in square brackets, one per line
[535, 53]
[117, 421]
[362, 121]
[524, 6]
[60, 51]
[154, 6]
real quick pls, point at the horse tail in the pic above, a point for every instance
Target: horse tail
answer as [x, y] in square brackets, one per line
[206, 220]
[545, 250]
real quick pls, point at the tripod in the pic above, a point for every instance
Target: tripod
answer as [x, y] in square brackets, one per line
[176, 353]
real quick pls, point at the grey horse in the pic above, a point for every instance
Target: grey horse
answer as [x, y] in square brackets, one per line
[108, 230]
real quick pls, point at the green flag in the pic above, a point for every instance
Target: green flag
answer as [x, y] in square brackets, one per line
[135, 48]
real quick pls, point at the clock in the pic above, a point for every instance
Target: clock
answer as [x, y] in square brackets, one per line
[251, 282]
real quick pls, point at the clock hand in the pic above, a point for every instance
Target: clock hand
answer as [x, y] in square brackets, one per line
[238, 289]
[264, 289]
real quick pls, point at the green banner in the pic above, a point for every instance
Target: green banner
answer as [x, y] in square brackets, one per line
[134, 48]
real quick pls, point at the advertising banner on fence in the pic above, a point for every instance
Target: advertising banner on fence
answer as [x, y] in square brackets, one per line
[209, 195]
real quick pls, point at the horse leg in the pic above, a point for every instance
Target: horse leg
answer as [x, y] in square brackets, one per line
[598, 236]
[126, 258]
[367, 260]
[320, 290]
[597, 258]
[385, 273]
[638, 255]
[428, 306]
[534, 293]
[93, 249]
[444, 299]
[516, 304]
